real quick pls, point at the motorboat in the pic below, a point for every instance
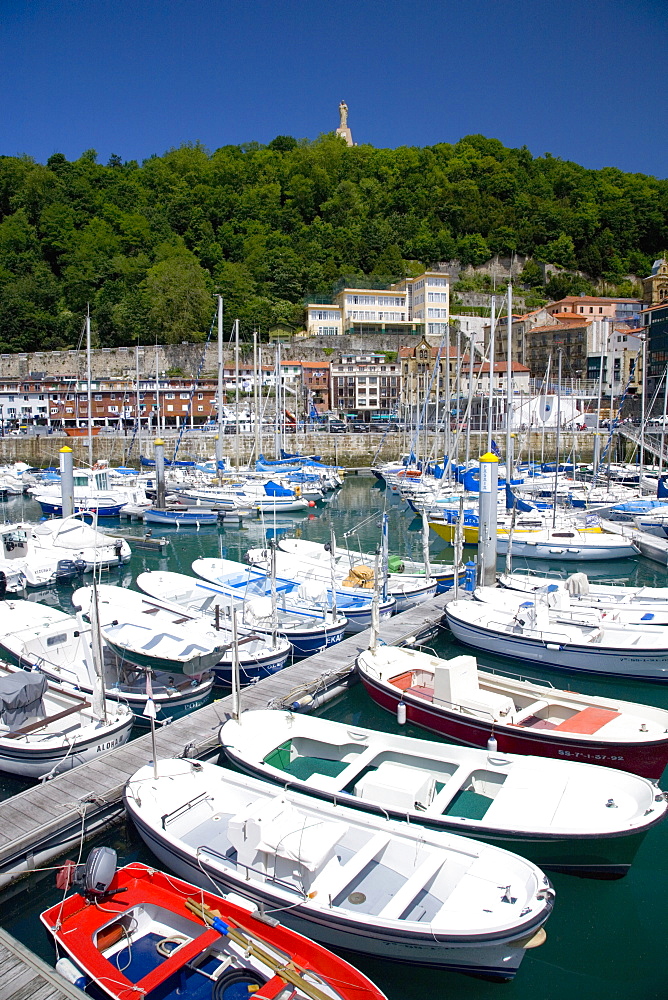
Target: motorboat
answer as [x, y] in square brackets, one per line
[580, 640]
[139, 931]
[400, 569]
[161, 635]
[583, 592]
[36, 636]
[564, 815]
[351, 880]
[308, 631]
[457, 700]
[46, 729]
[307, 593]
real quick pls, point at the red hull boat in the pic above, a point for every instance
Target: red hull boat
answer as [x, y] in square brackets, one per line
[152, 935]
[458, 701]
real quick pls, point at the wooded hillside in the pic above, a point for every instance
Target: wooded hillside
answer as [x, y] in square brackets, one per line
[148, 245]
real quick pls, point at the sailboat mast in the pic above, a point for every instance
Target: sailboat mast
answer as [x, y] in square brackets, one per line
[256, 396]
[137, 400]
[158, 421]
[236, 391]
[219, 439]
[89, 394]
[509, 384]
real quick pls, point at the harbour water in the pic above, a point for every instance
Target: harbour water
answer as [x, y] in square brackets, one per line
[604, 939]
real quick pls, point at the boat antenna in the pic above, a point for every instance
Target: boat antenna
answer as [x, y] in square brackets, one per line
[236, 680]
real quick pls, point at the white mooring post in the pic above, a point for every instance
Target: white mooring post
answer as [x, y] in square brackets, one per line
[160, 473]
[488, 499]
[67, 480]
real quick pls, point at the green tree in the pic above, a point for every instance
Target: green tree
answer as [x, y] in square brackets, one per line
[179, 297]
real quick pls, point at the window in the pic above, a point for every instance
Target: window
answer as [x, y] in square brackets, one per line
[98, 399]
[199, 409]
[184, 407]
[183, 395]
[170, 407]
[200, 395]
[170, 395]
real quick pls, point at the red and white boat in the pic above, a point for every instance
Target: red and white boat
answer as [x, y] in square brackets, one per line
[467, 705]
[142, 933]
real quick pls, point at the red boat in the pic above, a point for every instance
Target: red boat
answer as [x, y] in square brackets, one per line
[141, 933]
[471, 706]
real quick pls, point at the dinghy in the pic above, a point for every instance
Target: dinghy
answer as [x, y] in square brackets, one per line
[307, 631]
[563, 815]
[586, 643]
[46, 730]
[161, 635]
[141, 932]
[458, 701]
[307, 595]
[370, 884]
[60, 645]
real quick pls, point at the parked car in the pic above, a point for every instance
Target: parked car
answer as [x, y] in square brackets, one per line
[359, 428]
[336, 427]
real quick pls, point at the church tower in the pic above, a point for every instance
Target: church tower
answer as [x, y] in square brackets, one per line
[655, 287]
[343, 129]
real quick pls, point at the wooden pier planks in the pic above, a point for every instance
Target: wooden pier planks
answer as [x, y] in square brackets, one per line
[24, 976]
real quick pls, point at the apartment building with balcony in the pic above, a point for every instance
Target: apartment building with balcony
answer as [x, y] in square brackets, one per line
[411, 306]
[365, 386]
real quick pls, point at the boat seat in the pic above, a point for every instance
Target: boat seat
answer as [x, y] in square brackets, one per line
[533, 709]
[456, 683]
[588, 721]
[412, 886]
[274, 827]
[335, 877]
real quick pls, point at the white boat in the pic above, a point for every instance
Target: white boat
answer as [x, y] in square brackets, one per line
[57, 549]
[46, 730]
[463, 703]
[399, 569]
[406, 593]
[563, 608]
[308, 631]
[584, 642]
[646, 605]
[161, 635]
[60, 645]
[307, 593]
[566, 542]
[377, 886]
[564, 815]
[92, 492]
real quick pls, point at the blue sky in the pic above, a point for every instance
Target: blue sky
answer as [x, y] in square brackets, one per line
[585, 81]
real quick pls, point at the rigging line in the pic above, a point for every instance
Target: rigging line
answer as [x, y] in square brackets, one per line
[614, 421]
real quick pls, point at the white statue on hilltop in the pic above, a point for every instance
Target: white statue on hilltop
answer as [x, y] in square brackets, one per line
[343, 112]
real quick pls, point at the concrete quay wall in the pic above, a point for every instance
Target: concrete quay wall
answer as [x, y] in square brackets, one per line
[349, 450]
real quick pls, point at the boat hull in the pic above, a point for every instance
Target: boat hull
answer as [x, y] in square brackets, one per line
[610, 662]
[491, 961]
[589, 857]
[35, 761]
[648, 760]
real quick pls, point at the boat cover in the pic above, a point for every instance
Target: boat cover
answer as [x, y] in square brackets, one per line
[21, 697]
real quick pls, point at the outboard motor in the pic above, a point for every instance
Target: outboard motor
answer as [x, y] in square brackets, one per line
[80, 566]
[93, 878]
[98, 872]
[65, 569]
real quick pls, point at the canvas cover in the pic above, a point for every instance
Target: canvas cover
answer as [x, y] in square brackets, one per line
[21, 697]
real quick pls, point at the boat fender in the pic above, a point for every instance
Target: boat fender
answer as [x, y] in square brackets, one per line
[401, 713]
[108, 936]
[69, 971]
[298, 491]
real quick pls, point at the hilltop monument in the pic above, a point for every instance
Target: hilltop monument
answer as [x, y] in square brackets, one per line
[343, 129]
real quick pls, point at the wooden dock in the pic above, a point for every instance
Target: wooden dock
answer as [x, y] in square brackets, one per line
[24, 976]
[48, 819]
